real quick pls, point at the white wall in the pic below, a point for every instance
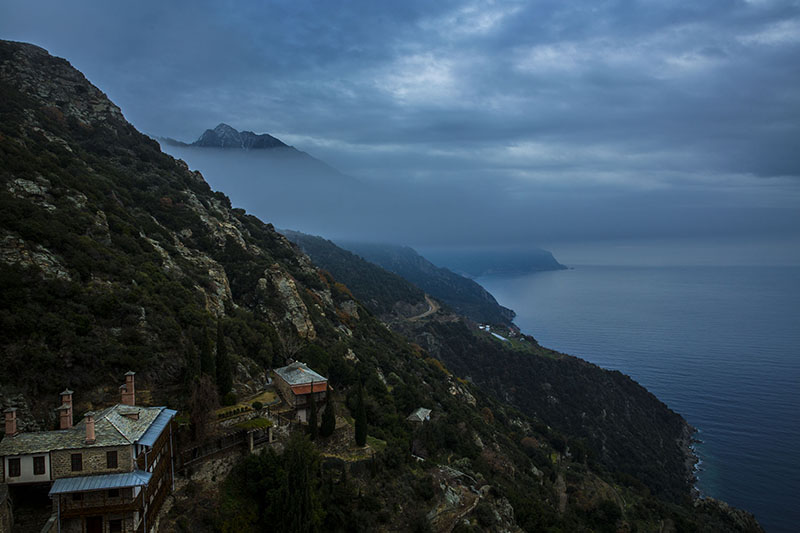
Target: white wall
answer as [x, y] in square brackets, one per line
[26, 469]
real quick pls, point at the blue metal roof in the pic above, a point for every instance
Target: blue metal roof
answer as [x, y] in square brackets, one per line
[151, 435]
[136, 478]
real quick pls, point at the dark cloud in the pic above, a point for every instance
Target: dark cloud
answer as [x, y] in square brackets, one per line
[580, 108]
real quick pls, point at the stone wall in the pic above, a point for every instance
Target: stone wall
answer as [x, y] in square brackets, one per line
[76, 525]
[285, 390]
[94, 461]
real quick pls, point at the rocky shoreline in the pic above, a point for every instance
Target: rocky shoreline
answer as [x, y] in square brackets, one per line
[686, 443]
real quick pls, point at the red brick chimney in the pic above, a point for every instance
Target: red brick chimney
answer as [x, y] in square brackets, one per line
[128, 392]
[65, 418]
[11, 421]
[90, 437]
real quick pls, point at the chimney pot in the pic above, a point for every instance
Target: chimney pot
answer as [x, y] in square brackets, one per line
[128, 396]
[11, 421]
[90, 436]
[66, 418]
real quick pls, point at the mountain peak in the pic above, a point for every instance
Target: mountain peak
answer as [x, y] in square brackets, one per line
[225, 136]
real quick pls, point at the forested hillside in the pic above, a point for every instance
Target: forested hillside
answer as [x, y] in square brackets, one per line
[462, 294]
[115, 257]
[385, 294]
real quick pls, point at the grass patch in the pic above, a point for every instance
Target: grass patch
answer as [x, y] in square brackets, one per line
[267, 397]
[376, 444]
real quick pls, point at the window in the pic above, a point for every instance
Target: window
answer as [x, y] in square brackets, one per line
[115, 526]
[77, 496]
[77, 462]
[38, 465]
[113, 493]
[13, 467]
[111, 459]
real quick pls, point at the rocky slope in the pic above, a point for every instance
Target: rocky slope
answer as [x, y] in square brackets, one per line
[115, 256]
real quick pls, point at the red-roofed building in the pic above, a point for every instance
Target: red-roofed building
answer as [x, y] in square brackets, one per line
[295, 383]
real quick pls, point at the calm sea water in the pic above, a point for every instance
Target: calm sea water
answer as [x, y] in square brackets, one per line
[719, 345]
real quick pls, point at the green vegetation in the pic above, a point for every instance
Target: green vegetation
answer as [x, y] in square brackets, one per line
[224, 365]
[328, 425]
[462, 294]
[361, 419]
[376, 288]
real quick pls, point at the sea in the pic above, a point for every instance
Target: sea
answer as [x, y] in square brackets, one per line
[719, 345]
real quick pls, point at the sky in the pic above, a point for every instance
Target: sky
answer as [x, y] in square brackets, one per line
[607, 131]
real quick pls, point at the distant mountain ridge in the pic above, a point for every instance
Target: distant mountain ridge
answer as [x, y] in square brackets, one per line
[228, 137]
[224, 136]
[465, 296]
[384, 293]
[488, 262]
[225, 151]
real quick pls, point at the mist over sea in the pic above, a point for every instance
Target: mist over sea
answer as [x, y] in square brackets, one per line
[719, 345]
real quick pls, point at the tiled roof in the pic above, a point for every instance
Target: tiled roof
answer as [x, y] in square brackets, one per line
[112, 428]
[137, 478]
[298, 374]
[419, 415]
[319, 386]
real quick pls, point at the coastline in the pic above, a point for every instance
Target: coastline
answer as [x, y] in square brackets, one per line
[686, 440]
[686, 443]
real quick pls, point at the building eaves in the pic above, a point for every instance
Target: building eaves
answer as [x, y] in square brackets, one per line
[137, 478]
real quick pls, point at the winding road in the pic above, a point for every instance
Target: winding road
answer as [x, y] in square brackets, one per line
[433, 306]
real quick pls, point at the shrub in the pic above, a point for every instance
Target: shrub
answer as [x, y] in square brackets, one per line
[229, 398]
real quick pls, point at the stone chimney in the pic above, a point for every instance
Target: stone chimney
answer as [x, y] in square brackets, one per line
[128, 393]
[65, 418]
[11, 421]
[90, 437]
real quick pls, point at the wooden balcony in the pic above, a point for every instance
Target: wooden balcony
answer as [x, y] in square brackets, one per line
[99, 506]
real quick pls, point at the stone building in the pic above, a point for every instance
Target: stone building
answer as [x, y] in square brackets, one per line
[296, 383]
[109, 473]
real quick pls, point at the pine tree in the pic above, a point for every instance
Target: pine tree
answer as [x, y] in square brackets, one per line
[328, 425]
[361, 419]
[207, 364]
[312, 415]
[224, 366]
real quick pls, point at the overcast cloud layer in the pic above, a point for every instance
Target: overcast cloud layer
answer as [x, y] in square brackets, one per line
[572, 121]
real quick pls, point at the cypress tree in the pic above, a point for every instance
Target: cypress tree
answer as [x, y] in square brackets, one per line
[328, 425]
[207, 365]
[361, 419]
[224, 366]
[312, 415]
[192, 365]
[302, 508]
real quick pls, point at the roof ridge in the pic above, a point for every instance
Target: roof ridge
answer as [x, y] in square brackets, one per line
[124, 436]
